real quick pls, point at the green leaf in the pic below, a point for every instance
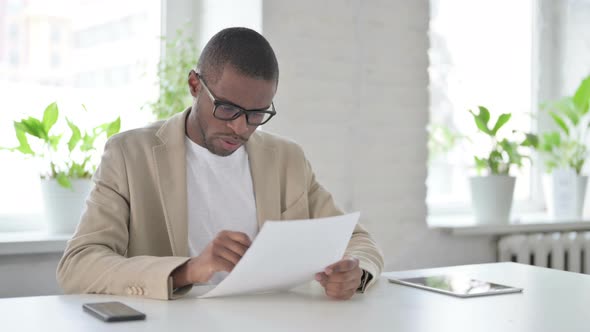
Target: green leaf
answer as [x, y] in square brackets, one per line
[63, 180]
[484, 114]
[511, 149]
[34, 127]
[86, 160]
[76, 135]
[550, 141]
[480, 164]
[502, 119]
[531, 140]
[76, 170]
[113, 127]
[50, 117]
[87, 143]
[578, 166]
[560, 122]
[494, 161]
[54, 141]
[24, 146]
[572, 116]
[481, 120]
[582, 96]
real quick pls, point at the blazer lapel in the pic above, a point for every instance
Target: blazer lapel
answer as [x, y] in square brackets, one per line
[265, 179]
[171, 169]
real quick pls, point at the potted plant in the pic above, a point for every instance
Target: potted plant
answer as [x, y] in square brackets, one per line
[66, 166]
[565, 152]
[492, 189]
[180, 56]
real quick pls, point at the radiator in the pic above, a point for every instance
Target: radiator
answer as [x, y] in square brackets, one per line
[568, 251]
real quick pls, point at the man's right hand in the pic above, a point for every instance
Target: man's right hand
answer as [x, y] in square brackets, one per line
[221, 254]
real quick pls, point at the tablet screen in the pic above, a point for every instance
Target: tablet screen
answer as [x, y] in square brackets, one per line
[457, 285]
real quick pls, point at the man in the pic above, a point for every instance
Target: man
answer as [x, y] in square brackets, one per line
[180, 201]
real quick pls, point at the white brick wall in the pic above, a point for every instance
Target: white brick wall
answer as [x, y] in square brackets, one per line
[353, 92]
[576, 64]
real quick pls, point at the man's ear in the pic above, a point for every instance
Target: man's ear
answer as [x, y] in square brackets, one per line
[194, 84]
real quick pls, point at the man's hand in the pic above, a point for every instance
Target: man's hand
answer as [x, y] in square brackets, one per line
[341, 279]
[222, 254]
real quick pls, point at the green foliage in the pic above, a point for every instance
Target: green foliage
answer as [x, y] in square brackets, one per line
[504, 153]
[80, 146]
[441, 140]
[566, 147]
[173, 69]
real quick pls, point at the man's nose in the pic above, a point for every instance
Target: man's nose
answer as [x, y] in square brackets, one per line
[239, 125]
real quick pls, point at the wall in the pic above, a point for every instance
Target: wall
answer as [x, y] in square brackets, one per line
[28, 275]
[353, 93]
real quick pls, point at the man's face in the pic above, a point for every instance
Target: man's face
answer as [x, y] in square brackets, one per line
[218, 136]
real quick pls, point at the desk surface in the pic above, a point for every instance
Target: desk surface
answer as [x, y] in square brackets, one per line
[552, 301]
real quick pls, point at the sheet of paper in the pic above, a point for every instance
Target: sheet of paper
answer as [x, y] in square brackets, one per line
[286, 254]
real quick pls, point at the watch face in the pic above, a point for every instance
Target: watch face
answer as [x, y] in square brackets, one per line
[364, 280]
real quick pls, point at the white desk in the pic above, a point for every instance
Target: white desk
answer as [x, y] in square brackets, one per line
[552, 301]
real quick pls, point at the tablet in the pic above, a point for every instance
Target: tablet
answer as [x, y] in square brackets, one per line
[455, 285]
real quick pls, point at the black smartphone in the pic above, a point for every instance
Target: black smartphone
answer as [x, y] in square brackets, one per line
[113, 311]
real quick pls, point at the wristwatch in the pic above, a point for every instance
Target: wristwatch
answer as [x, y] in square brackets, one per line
[365, 278]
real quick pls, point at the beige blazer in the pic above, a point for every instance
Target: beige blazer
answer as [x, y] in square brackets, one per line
[133, 231]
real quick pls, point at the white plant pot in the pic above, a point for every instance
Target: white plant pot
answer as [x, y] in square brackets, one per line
[564, 193]
[492, 198]
[63, 207]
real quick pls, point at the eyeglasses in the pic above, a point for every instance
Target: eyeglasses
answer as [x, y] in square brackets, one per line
[227, 111]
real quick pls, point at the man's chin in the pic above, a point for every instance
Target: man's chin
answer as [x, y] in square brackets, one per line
[222, 153]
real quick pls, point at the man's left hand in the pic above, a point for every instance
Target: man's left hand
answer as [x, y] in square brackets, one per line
[341, 279]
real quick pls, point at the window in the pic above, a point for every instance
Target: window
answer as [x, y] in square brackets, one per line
[65, 51]
[55, 33]
[481, 54]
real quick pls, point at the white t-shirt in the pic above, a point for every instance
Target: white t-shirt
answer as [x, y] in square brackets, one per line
[220, 196]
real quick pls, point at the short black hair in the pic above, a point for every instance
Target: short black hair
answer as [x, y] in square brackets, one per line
[244, 49]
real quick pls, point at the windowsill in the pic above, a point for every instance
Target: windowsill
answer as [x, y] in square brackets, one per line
[23, 243]
[465, 225]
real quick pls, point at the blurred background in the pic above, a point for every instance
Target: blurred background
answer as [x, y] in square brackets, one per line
[361, 83]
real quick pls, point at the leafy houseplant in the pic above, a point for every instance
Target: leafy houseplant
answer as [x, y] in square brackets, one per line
[566, 147]
[68, 165]
[80, 146]
[504, 153]
[181, 55]
[565, 152]
[492, 194]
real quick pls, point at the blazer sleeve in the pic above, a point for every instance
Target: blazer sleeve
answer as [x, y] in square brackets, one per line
[361, 245]
[95, 259]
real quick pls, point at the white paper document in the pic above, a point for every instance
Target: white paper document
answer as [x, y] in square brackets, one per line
[286, 254]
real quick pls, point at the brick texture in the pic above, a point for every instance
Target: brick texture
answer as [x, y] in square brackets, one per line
[353, 92]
